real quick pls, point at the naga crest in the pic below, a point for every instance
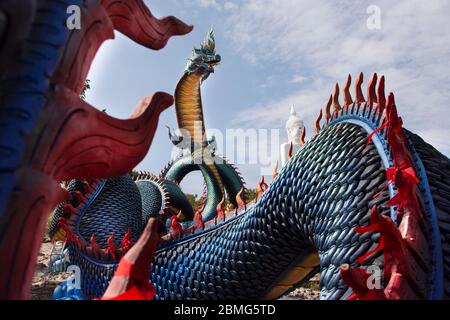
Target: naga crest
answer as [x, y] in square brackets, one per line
[205, 57]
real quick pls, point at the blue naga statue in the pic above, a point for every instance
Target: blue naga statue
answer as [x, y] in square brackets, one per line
[362, 192]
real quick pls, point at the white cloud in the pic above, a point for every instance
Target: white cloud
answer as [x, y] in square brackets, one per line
[209, 3]
[230, 6]
[324, 41]
[298, 78]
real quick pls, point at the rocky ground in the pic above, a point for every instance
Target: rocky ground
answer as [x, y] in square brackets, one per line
[44, 282]
[310, 290]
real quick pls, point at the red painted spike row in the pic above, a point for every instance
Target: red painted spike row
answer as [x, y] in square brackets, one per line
[393, 122]
[73, 140]
[92, 248]
[396, 266]
[401, 245]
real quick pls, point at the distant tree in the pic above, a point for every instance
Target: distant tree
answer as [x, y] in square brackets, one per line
[195, 201]
[86, 87]
[250, 195]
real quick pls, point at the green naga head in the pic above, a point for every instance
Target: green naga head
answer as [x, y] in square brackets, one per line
[205, 57]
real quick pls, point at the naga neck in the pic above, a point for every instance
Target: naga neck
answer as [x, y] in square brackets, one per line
[189, 109]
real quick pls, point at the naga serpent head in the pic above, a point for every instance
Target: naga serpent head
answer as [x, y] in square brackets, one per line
[205, 58]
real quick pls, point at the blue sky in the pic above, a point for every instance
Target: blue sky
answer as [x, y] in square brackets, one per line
[278, 53]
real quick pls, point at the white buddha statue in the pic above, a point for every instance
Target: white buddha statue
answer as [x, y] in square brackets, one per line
[294, 127]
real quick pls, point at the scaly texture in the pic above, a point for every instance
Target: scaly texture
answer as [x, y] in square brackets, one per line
[363, 192]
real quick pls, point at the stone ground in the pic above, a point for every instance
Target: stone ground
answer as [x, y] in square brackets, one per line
[44, 282]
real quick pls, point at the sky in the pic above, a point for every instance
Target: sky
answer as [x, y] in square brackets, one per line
[276, 53]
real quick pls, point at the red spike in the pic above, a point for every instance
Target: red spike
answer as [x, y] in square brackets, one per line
[358, 91]
[391, 242]
[390, 104]
[381, 95]
[94, 244]
[176, 227]
[317, 123]
[80, 197]
[357, 279]
[371, 91]
[127, 242]
[336, 105]
[261, 187]
[87, 187]
[240, 202]
[83, 246]
[347, 96]
[220, 213]
[303, 136]
[68, 210]
[291, 146]
[198, 220]
[62, 222]
[76, 241]
[111, 249]
[328, 109]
